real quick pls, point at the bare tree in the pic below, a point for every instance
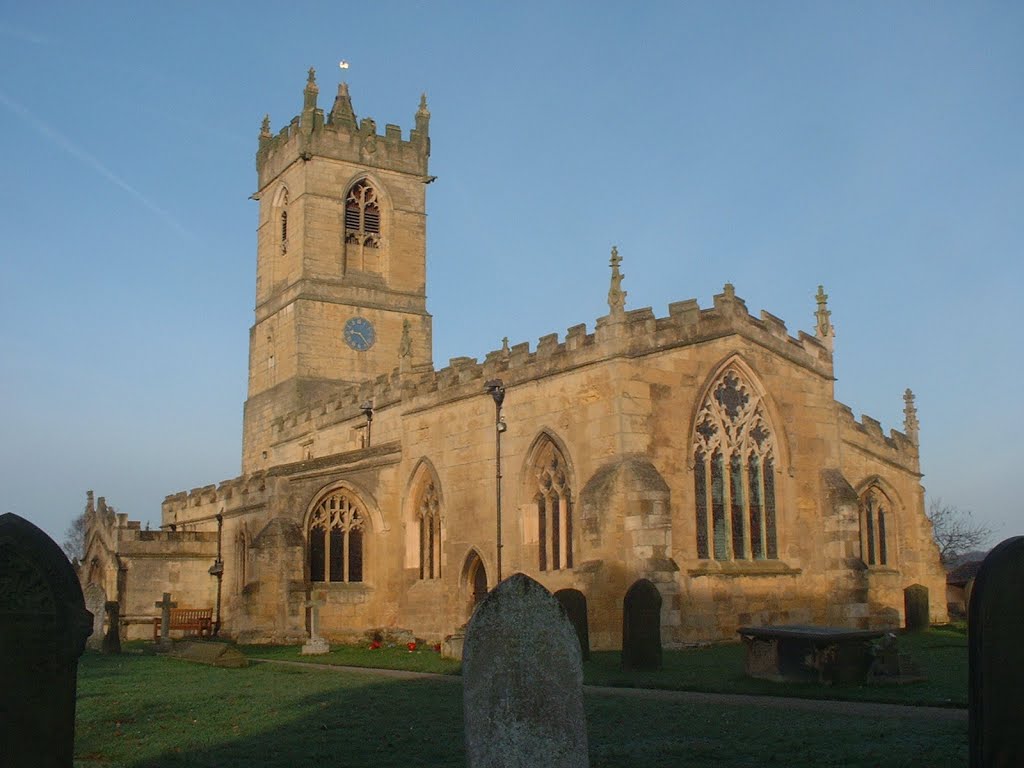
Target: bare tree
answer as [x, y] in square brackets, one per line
[955, 531]
[74, 538]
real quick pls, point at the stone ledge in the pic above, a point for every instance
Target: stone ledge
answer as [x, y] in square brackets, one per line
[734, 568]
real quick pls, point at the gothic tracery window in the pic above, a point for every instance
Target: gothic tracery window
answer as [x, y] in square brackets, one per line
[734, 459]
[875, 508]
[362, 215]
[553, 498]
[336, 539]
[429, 515]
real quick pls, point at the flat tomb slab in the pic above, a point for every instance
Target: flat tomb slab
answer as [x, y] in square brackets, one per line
[804, 653]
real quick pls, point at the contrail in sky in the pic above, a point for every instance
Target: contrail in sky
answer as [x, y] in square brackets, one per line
[73, 149]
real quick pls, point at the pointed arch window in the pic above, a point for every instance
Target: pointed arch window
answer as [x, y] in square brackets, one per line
[362, 215]
[875, 514]
[734, 460]
[429, 518]
[336, 530]
[553, 497]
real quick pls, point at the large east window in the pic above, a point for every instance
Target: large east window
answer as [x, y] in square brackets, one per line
[734, 473]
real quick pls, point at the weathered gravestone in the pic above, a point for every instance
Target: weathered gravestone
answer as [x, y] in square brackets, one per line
[641, 627]
[915, 608]
[43, 627]
[575, 604]
[112, 640]
[522, 682]
[95, 599]
[995, 649]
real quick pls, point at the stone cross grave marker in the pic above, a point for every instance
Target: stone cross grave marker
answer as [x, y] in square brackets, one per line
[522, 682]
[915, 608]
[112, 640]
[995, 653]
[43, 627]
[165, 606]
[641, 626]
[316, 645]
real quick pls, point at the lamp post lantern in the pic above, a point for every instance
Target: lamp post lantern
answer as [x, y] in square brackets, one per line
[496, 388]
[367, 409]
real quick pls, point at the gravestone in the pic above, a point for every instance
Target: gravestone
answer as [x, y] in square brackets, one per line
[316, 645]
[522, 682]
[641, 627]
[575, 604]
[112, 640]
[43, 628]
[165, 606]
[995, 653]
[915, 608]
[95, 599]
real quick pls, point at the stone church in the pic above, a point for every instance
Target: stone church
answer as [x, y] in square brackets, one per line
[702, 450]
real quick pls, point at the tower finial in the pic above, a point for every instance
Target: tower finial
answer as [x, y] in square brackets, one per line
[616, 296]
[265, 127]
[341, 112]
[911, 426]
[310, 92]
[823, 326]
[423, 111]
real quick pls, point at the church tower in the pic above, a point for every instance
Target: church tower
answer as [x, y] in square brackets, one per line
[340, 260]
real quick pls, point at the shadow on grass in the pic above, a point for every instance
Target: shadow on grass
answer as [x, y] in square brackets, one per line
[148, 712]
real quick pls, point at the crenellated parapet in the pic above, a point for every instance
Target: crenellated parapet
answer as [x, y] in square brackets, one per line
[868, 435]
[202, 505]
[630, 334]
[339, 135]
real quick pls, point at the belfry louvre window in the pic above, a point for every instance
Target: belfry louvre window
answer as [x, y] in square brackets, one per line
[336, 539]
[429, 515]
[362, 215]
[874, 511]
[283, 219]
[734, 474]
[554, 509]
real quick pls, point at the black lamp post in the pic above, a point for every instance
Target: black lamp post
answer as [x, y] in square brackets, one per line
[217, 569]
[367, 409]
[497, 390]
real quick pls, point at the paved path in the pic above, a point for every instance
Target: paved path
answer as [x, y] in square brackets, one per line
[829, 706]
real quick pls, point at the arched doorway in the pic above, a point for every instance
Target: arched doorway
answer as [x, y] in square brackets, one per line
[474, 579]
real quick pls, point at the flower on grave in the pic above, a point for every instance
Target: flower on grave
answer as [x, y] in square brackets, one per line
[437, 647]
[375, 645]
[412, 646]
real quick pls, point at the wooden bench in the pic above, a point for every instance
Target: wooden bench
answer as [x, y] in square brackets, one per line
[190, 620]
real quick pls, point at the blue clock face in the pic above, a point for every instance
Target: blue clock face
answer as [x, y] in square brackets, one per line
[359, 334]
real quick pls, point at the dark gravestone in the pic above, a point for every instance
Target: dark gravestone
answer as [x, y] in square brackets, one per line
[995, 652]
[641, 627]
[112, 640]
[211, 652]
[915, 608]
[575, 604]
[43, 627]
[522, 682]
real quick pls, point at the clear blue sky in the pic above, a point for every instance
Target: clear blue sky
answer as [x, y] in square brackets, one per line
[872, 147]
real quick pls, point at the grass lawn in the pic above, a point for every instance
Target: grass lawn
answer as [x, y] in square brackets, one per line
[941, 652]
[146, 711]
